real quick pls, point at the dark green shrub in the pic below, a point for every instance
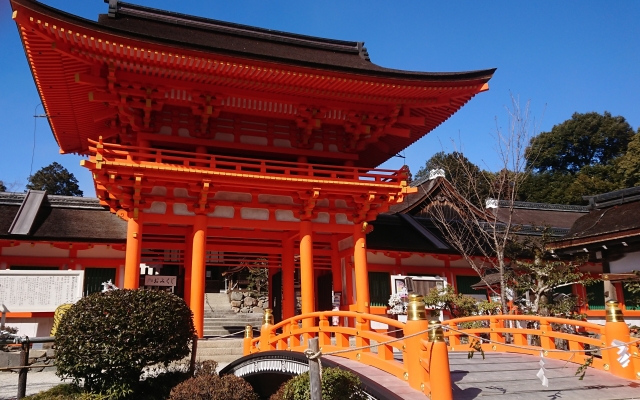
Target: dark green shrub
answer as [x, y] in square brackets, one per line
[207, 385]
[337, 384]
[106, 339]
[66, 392]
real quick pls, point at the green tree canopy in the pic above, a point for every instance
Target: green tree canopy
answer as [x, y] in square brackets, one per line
[55, 179]
[629, 164]
[465, 176]
[585, 139]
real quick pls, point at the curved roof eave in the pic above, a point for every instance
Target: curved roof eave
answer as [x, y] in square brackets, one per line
[351, 60]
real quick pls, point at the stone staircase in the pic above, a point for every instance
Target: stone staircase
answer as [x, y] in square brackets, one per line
[220, 320]
[222, 350]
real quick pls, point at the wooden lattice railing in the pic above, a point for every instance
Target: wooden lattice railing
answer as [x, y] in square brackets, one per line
[189, 161]
[420, 354]
[558, 338]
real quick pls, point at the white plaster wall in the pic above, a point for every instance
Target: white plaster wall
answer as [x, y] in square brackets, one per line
[275, 199]
[260, 214]
[630, 262]
[101, 251]
[37, 250]
[414, 260]
[379, 258]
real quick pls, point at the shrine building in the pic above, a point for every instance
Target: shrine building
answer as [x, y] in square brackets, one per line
[214, 141]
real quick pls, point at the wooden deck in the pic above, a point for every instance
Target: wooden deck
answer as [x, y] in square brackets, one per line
[510, 376]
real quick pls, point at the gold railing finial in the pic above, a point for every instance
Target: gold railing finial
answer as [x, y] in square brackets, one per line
[613, 312]
[248, 332]
[436, 334]
[268, 317]
[415, 308]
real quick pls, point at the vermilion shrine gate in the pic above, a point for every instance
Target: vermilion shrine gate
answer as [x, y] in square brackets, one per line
[210, 137]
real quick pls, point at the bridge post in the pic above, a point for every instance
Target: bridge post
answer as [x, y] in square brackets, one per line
[266, 333]
[439, 371]
[416, 375]
[616, 329]
[248, 337]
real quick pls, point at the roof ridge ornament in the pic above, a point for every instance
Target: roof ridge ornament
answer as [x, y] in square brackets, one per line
[113, 7]
[436, 173]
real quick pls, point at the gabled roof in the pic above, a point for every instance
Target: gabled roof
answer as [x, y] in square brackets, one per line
[613, 216]
[558, 217]
[434, 189]
[405, 233]
[58, 218]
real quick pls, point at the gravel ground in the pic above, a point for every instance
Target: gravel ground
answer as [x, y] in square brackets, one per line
[36, 382]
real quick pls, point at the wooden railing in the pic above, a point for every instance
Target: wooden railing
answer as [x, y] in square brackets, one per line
[558, 338]
[414, 356]
[143, 156]
[420, 356]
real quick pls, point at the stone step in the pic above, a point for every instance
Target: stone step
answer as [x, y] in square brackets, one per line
[231, 319]
[220, 352]
[221, 359]
[222, 332]
[219, 343]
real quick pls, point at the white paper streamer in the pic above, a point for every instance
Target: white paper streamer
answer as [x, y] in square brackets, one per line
[623, 353]
[540, 374]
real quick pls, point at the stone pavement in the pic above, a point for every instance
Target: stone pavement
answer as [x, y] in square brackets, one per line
[36, 382]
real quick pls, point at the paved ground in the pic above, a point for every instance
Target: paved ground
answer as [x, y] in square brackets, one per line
[36, 382]
[513, 376]
[500, 375]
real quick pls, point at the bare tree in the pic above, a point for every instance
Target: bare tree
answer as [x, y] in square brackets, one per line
[482, 236]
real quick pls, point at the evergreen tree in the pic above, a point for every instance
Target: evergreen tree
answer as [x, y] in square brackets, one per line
[55, 179]
[586, 155]
[3, 188]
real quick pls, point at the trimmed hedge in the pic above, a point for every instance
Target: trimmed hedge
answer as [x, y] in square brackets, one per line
[106, 339]
[207, 385]
[337, 384]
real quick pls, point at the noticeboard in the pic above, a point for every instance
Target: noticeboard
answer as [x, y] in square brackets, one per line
[39, 291]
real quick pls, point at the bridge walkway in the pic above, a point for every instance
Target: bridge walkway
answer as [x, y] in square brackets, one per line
[513, 376]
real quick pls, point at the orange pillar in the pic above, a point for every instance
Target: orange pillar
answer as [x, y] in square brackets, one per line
[188, 249]
[362, 272]
[198, 271]
[288, 289]
[132, 255]
[307, 286]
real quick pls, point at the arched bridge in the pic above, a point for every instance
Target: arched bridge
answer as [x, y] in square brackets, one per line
[428, 358]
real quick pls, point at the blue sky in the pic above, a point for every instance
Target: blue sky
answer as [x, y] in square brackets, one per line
[563, 57]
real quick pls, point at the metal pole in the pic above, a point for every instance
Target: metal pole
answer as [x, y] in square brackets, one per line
[314, 371]
[22, 376]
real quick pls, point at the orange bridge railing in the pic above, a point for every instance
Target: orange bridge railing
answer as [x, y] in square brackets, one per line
[417, 351]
